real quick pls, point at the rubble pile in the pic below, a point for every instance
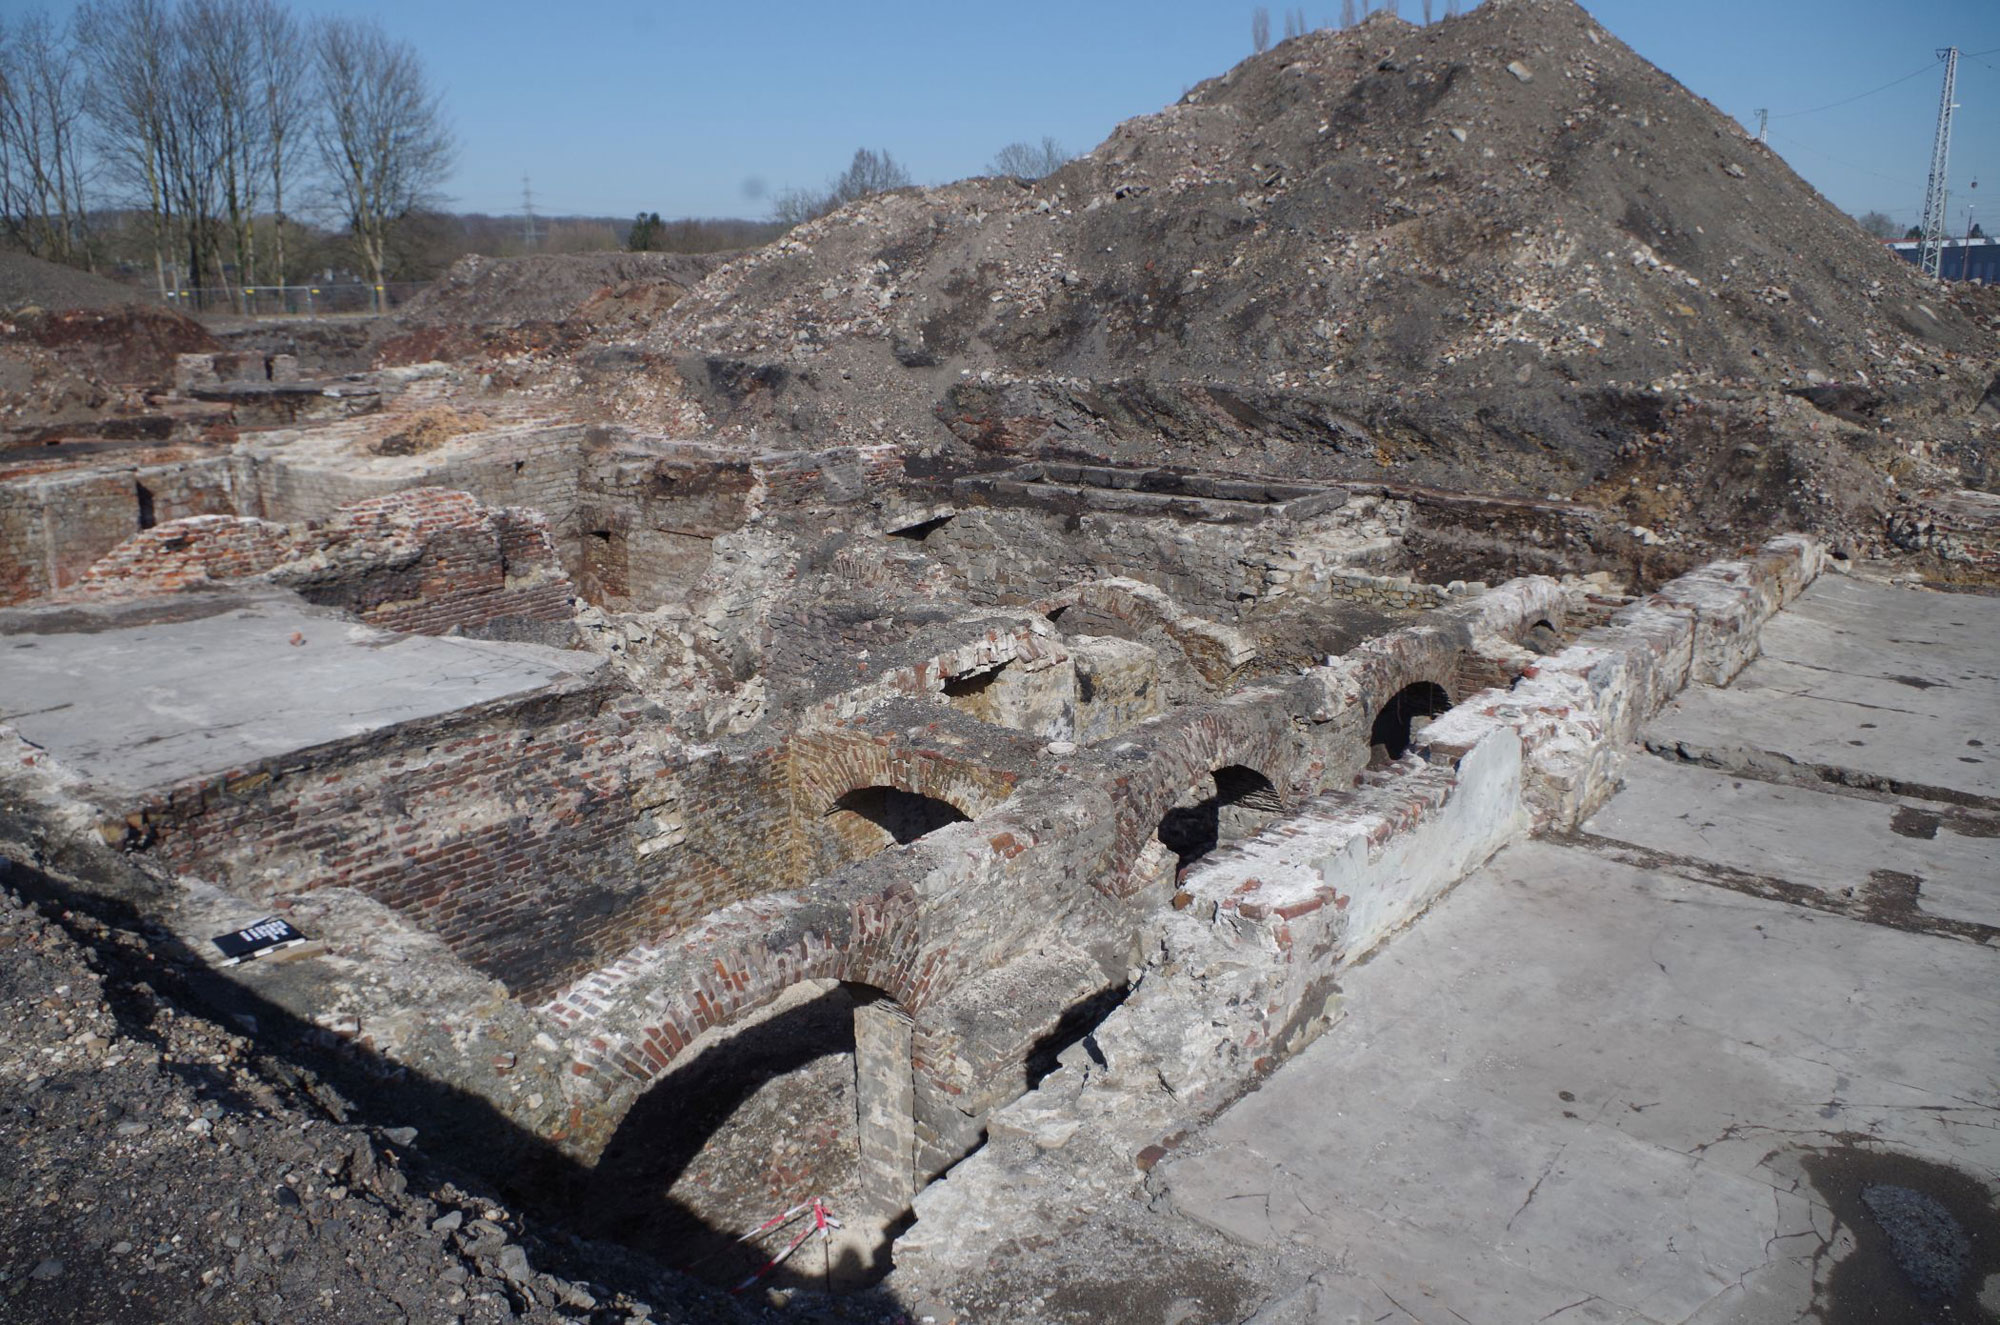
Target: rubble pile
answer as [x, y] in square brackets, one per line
[1501, 253]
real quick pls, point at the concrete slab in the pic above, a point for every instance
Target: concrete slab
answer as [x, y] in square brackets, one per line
[1579, 1088]
[1835, 843]
[1899, 686]
[204, 686]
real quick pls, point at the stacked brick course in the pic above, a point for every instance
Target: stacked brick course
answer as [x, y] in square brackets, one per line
[429, 560]
[186, 554]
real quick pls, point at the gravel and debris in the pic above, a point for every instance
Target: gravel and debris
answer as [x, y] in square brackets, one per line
[158, 1169]
[1502, 252]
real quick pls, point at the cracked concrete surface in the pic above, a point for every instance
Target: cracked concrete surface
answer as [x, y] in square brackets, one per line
[1591, 1090]
[224, 680]
[1870, 685]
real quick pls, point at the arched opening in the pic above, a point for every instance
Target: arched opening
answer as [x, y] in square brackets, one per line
[917, 533]
[1406, 713]
[872, 819]
[808, 1097]
[1232, 803]
[972, 684]
[1543, 638]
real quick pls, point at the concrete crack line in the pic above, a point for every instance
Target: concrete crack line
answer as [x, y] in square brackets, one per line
[35, 713]
[1546, 1170]
[1851, 703]
[1400, 1307]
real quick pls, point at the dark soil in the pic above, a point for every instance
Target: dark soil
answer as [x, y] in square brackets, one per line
[161, 1167]
[27, 282]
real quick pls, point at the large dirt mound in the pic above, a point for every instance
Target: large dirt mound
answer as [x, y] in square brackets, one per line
[545, 287]
[486, 306]
[27, 282]
[1499, 252]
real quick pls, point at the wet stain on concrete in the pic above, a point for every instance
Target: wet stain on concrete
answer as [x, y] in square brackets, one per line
[1926, 1238]
[1967, 824]
[1911, 822]
[1890, 898]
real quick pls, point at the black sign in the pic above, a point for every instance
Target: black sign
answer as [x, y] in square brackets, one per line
[266, 936]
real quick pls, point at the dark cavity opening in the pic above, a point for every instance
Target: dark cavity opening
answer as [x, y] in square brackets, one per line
[904, 815]
[1238, 801]
[972, 683]
[917, 533]
[1543, 637]
[146, 517]
[1077, 1022]
[1390, 737]
[748, 1126]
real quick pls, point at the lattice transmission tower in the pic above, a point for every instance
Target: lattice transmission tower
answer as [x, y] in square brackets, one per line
[1931, 256]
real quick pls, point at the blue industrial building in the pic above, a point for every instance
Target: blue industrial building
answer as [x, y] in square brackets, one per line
[1961, 259]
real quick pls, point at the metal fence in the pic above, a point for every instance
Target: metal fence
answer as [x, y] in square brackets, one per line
[331, 297]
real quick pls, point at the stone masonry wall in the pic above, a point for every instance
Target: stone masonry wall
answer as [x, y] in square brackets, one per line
[54, 527]
[1243, 975]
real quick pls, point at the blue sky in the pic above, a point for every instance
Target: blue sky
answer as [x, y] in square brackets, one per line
[613, 106]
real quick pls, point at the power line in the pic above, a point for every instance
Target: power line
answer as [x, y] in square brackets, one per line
[1848, 101]
[1848, 165]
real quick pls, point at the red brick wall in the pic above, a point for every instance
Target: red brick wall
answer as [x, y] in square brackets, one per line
[513, 838]
[183, 554]
[428, 559]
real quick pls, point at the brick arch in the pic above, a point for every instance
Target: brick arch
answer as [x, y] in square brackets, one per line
[1178, 755]
[641, 1013]
[829, 765]
[1386, 667]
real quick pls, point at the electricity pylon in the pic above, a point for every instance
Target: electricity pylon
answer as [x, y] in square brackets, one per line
[1931, 256]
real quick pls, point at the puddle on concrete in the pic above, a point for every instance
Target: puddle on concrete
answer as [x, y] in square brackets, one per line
[1926, 1239]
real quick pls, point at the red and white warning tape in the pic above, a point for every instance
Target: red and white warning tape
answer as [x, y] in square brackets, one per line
[823, 1224]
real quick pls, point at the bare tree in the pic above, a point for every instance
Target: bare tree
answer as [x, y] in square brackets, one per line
[1451, 8]
[1390, 7]
[219, 40]
[1346, 13]
[41, 157]
[869, 173]
[1427, 13]
[381, 137]
[128, 48]
[287, 106]
[1029, 160]
[1260, 29]
[1879, 224]
[195, 144]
